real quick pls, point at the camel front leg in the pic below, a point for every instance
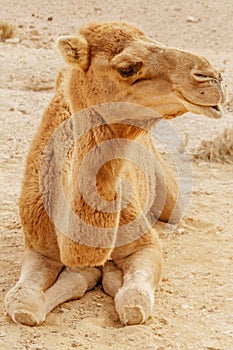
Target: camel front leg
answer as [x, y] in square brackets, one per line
[25, 302]
[71, 284]
[141, 263]
[38, 290]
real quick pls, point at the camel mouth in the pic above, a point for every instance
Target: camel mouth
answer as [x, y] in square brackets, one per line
[211, 111]
[215, 112]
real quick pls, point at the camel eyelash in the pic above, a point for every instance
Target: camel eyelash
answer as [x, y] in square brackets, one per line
[127, 72]
[138, 80]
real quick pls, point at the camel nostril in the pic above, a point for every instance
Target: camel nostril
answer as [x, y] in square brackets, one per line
[204, 76]
[200, 75]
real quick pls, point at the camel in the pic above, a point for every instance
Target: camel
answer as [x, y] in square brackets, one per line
[106, 63]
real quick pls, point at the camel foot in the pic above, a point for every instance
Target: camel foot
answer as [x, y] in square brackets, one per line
[134, 303]
[25, 305]
[29, 306]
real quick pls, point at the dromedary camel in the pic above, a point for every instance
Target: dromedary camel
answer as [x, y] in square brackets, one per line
[107, 62]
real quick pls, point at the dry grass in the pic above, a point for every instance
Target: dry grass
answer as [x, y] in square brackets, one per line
[220, 149]
[7, 31]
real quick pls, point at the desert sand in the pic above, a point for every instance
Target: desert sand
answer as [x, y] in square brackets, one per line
[194, 302]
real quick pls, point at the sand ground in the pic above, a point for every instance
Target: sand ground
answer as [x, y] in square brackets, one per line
[194, 303]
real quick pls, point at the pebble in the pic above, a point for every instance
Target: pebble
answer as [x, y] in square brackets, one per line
[192, 19]
[74, 344]
[36, 347]
[181, 230]
[34, 32]
[34, 38]
[12, 41]
[186, 307]
[23, 111]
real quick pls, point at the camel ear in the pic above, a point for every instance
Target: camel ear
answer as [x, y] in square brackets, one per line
[74, 51]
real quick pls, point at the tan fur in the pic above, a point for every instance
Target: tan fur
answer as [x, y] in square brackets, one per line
[168, 80]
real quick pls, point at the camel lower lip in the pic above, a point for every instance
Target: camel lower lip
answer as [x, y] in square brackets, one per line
[210, 111]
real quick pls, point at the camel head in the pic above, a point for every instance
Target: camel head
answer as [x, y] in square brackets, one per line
[112, 62]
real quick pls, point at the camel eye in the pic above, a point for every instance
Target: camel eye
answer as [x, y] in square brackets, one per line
[127, 71]
[201, 75]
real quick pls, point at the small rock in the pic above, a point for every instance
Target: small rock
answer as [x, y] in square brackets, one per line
[34, 38]
[226, 61]
[74, 344]
[50, 18]
[186, 307]
[192, 19]
[163, 321]
[181, 230]
[23, 111]
[34, 32]
[18, 346]
[12, 41]
[131, 338]
[36, 347]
